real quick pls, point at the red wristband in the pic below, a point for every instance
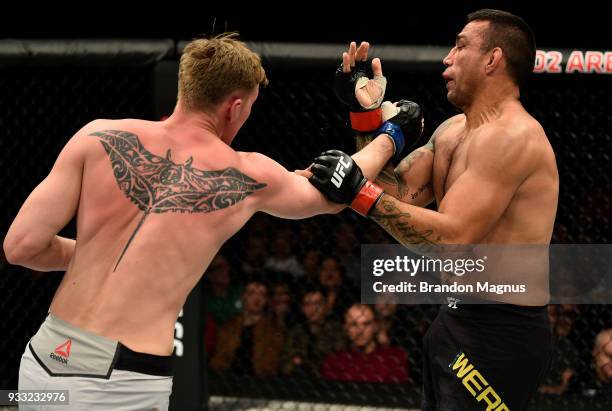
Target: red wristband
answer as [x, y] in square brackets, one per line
[366, 198]
[367, 120]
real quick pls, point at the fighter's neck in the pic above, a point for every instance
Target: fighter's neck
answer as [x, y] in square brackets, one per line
[201, 124]
[489, 105]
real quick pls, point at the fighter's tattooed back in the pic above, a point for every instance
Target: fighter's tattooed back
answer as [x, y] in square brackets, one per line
[158, 185]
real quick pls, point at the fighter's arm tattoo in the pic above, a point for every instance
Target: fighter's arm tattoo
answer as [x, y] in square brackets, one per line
[402, 172]
[158, 185]
[393, 180]
[404, 191]
[400, 223]
[402, 226]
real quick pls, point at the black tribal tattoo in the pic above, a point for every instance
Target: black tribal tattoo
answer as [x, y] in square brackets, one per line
[158, 185]
[398, 223]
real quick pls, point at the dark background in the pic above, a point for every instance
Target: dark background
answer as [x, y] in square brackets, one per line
[556, 24]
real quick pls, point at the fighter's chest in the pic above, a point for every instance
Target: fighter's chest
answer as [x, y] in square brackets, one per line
[450, 161]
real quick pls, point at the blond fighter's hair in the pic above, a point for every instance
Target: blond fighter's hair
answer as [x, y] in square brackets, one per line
[211, 69]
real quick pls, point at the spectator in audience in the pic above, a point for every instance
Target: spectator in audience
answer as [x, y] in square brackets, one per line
[339, 291]
[404, 326]
[311, 263]
[394, 326]
[311, 233]
[591, 320]
[281, 303]
[222, 297]
[255, 254]
[283, 257]
[347, 248]
[365, 360]
[308, 343]
[602, 360]
[250, 343]
[566, 357]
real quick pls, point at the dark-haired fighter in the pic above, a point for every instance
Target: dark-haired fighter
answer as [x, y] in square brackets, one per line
[493, 174]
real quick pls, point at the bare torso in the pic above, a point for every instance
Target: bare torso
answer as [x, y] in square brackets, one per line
[137, 300]
[530, 215]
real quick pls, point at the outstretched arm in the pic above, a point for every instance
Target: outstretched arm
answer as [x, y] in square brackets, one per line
[287, 194]
[32, 239]
[290, 195]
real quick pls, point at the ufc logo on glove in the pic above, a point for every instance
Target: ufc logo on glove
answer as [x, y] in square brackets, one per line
[339, 174]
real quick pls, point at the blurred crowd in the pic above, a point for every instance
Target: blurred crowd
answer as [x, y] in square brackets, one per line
[283, 299]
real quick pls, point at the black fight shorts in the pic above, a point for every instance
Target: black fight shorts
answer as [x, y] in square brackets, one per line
[485, 357]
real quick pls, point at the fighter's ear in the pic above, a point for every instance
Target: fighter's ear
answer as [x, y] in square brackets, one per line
[495, 58]
[235, 108]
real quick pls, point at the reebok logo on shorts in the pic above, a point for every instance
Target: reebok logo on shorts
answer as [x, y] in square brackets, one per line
[475, 383]
[62, 352]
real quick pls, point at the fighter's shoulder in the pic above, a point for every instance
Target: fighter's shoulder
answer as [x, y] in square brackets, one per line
[447, 130]
[453, 120]
[260, 167]
[124, 124]
[83, 135]
[98, 124]
[524, 131]
[513, 142]
[136, 127]
[79, 143]
[255, 161]
[536, 147]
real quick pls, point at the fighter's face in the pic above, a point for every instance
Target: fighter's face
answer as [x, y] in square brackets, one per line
[465, 64]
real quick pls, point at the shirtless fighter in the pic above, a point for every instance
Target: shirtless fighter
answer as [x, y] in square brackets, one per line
[494, 177]
[154, 202]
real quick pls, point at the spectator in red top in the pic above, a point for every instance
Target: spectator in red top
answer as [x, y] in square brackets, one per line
[365, 360]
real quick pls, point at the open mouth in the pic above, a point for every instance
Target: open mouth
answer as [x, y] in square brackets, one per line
[447, 79]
